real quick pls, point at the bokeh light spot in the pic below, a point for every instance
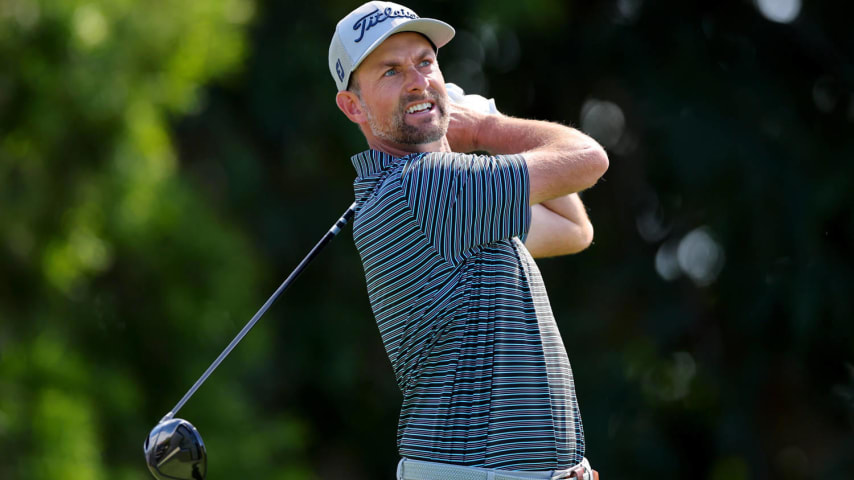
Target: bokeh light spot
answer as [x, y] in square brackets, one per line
[239, 11]
[629, 10]
[90, 251]
[700, 256]
[25, 12]
[651, 223]
[603, 120]
[696, 255]
[780, 11]
[665, 262]
[90, 25]
[671, 380]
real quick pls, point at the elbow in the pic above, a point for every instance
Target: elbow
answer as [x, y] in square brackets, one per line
[582, 239]
[602, 162]
[574, 240]
[593, 163]
[597, 162]
[587, 236]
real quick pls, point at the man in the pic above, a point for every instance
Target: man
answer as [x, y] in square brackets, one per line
[446, 241]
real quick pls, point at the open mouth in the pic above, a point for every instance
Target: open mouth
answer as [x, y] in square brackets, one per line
[420, 107]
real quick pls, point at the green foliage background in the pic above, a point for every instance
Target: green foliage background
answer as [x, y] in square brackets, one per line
[163, 165]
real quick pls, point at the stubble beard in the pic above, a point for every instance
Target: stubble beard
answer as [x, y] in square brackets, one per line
[398, 131]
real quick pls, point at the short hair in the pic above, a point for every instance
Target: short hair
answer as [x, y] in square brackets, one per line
[353, 85]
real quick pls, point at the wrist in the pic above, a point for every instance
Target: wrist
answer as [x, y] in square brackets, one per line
[464, 128]
[481, 138]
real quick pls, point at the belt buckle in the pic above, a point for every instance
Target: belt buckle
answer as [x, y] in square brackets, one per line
[578, 472]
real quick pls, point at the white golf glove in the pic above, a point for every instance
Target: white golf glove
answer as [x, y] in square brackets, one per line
[475, 102]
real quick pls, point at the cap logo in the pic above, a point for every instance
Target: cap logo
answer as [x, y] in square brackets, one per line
[340, 70]
[370, 20]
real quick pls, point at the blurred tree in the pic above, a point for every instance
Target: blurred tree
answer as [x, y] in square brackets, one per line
[118, 282]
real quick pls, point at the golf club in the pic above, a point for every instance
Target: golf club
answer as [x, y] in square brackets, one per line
[174, 448]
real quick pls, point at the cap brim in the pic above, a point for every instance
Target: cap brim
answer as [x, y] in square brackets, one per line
[439, 32]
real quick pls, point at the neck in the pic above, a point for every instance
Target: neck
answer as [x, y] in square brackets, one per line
[401, 150]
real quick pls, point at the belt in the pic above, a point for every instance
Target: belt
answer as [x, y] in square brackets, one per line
[409, 469]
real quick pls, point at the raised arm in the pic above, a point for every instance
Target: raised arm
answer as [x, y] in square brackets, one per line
[561, 161]
[559, 227]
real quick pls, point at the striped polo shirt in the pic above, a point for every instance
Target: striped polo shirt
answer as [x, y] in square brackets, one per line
[463, 313]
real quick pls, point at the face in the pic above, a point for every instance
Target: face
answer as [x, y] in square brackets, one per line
[402, 91]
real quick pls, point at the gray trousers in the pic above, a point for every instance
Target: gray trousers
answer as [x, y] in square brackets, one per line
[409, 469]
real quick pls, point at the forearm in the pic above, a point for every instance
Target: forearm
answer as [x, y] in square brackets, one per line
[559, 226]
[561, 160]
[500, 134]
[568, 207]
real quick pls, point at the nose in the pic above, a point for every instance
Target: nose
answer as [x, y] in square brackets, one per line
[415, 80]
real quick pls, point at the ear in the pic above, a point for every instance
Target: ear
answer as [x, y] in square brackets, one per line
[349, 103]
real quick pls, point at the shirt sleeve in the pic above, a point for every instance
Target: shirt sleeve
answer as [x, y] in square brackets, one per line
[463, 202]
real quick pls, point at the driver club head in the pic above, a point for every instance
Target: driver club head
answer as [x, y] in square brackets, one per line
[174, 451]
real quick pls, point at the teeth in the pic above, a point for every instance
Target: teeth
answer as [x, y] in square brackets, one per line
[417, 108]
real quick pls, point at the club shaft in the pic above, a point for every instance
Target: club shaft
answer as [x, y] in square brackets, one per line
[305, 261]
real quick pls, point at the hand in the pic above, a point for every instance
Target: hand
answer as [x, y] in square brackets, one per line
[463, 128]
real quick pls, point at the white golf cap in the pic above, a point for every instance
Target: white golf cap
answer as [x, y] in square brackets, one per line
[365, 28]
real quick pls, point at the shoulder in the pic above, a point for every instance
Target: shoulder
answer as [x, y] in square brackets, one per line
[462, 162]
[437, 159]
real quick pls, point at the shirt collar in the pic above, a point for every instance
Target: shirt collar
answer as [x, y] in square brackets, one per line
[373, 162]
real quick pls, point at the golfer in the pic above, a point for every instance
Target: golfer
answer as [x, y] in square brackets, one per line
[446, 239]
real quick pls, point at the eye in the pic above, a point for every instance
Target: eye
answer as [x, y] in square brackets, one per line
[390, 72]
[425, 63]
